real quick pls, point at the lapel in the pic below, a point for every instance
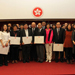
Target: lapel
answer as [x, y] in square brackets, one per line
[28, 32]
[59, 32]
[24, 32]
[31, 29]
[56, 31]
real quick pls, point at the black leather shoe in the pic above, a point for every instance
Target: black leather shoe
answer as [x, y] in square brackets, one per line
[27, 61]
[35, 60]
[6, 64]
[41, 61]
[61, 61]
[56, 61]
[24, 61]
[38, 61]
[1, 65]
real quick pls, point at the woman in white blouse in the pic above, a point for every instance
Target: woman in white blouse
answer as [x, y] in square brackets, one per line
[4, 41]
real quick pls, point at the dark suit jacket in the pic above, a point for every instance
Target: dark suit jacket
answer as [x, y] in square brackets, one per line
[23, 34]
[42, 33]
[61, 36]
[33, 34]
[12, 33]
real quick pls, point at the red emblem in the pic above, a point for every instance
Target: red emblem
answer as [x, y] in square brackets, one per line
[37, 12]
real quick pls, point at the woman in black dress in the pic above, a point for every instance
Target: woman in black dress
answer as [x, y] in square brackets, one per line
[14, 48]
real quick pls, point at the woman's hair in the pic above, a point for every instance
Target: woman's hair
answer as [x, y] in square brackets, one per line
[73, 24]
[53, 24]
[70, 25]
[47, 24]
[3, 29]
[21, 25]
[14, 25]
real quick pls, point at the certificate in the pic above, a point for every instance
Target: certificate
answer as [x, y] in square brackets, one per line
[27, 40]
[15, 40]
[58, 47]
[4, 50]
[39, 39]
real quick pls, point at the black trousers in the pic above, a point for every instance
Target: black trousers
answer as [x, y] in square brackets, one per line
[14, 53]
[45, 53]
[9, 54]
[40, 52]
[33, 53]
[26, 52]
[73, 55]
[57, 55]
[68, 53]
[3, 57]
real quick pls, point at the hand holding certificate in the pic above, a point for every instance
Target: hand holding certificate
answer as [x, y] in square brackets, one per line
[4, 50]
[27, 40]
[58, 47]
[15, 40]
[39, 39]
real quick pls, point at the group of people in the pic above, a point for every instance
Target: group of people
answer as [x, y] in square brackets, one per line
[57, 34]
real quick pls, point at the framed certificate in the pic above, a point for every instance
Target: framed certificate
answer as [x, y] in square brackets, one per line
[15, 40]
[27, 40]
[58, 47]
[39, 39]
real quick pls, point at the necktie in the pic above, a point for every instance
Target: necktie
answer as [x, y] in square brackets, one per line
[33, 30]
[39, 30]
[58, 33]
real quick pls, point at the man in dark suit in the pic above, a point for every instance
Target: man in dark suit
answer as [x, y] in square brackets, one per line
[33, 53]
[58, 38]
[40, 47]
[25, 47]
[43, 25]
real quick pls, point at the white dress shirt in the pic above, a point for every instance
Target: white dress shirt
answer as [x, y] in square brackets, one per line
[26, 31]
[58, 29]
[40, 30]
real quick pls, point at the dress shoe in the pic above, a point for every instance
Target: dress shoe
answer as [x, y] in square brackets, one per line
[13, 62]
[49, 61]
[38, 61]
[41, 61]
[1, 65]
[71, 61]
[27, 61]
[46, 60]
[67, 62]
[24, 61]
[61, 61]
[16, 61]
[56, 61]
[6, 64]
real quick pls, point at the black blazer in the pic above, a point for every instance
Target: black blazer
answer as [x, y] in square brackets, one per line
[42, 33]
[22, 34]
[61, 36]
[12, 33]
[33, 34]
